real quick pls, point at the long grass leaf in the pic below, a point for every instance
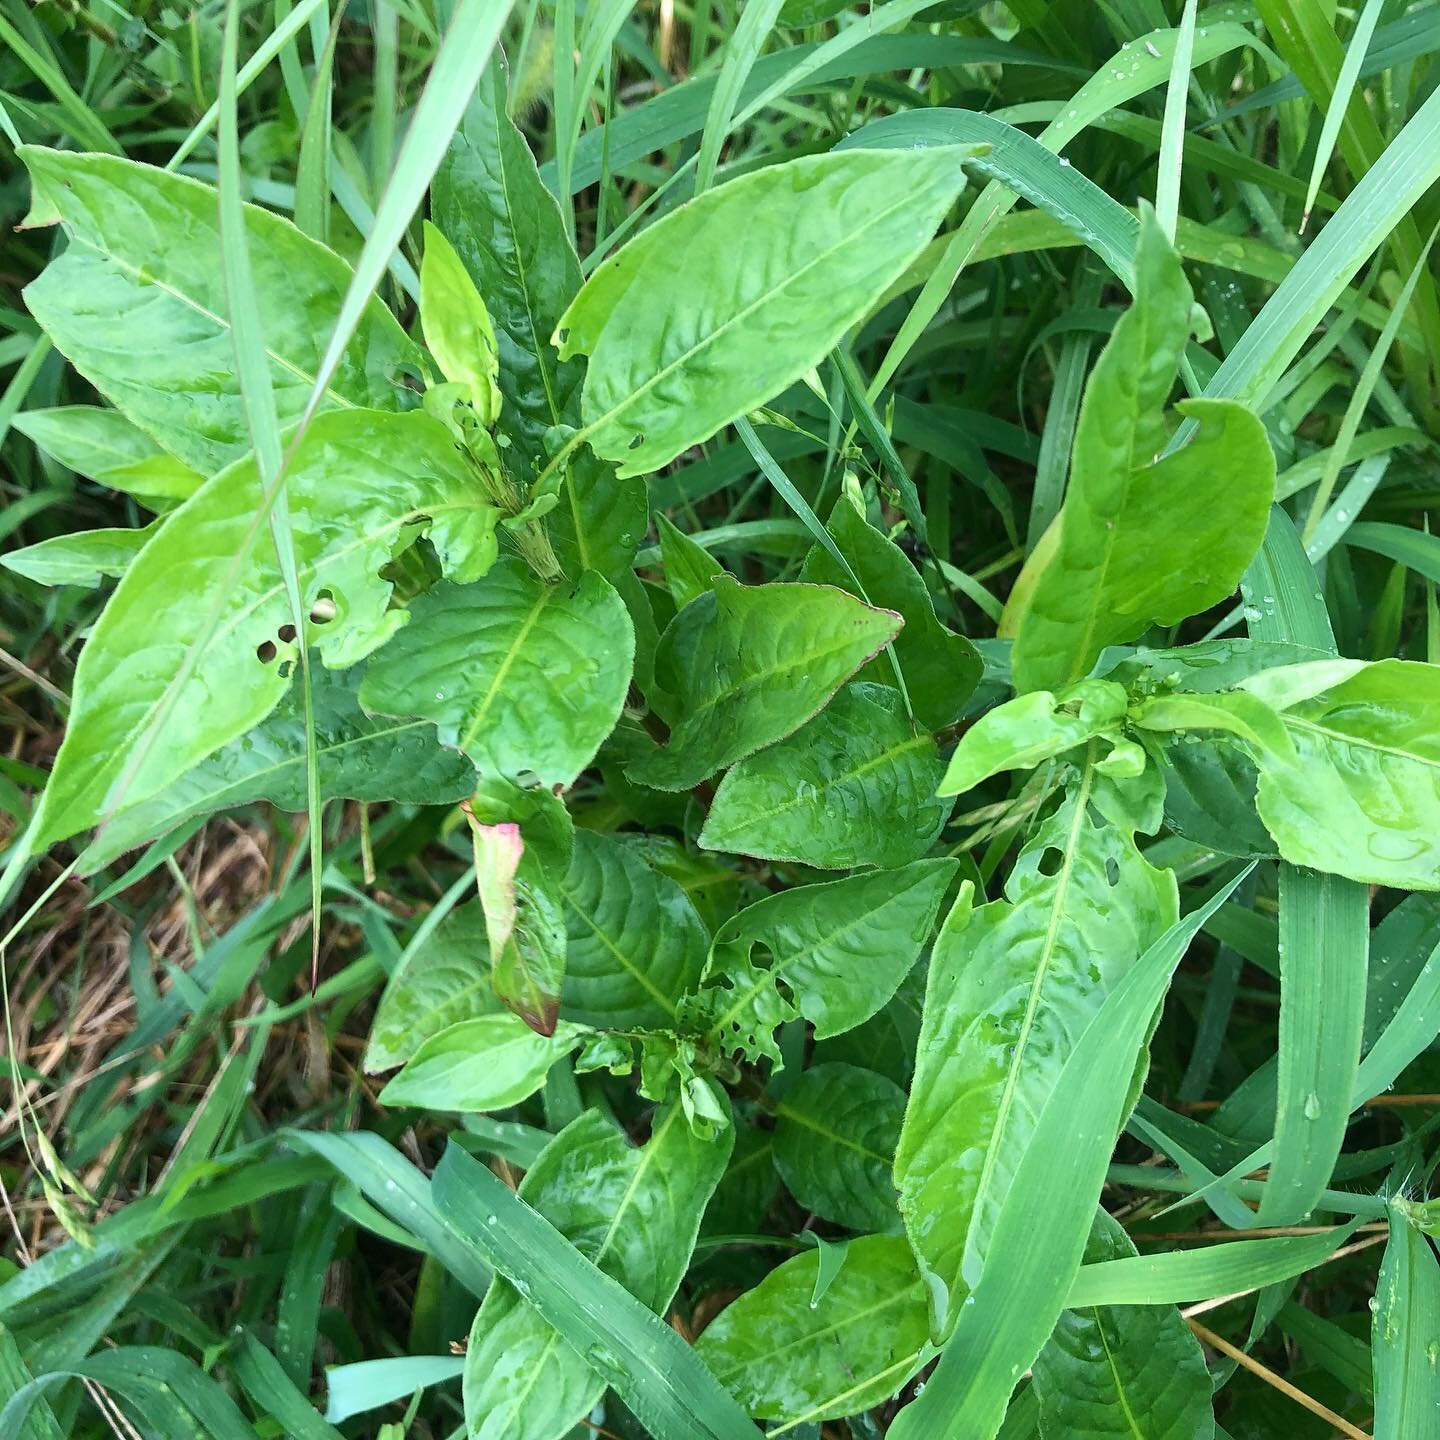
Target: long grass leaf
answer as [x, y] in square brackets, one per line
[757, 19]
[1340, 101]
[1039, 1237]
[1405, 1339]
[662, 1380]
[461, 60]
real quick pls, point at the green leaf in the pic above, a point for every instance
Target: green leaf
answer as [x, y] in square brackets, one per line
[1050, 1205]
[855, 786]
[1361, 797]
[1141, 538]
[634, 1213]
[1138, 1362]
[1032, 728]
[1180, 1276]
[442, 982]
[690, 569]
[940, 668]
[1012, 986]
[104, 445]
[525, 678]
[742, 291]
[747, 665]
[359, 758]
[457, 327]
[840, 949]
[505, 226]
[488, 1062]
[636, 943]
[787, 1357]
[174, 373]
[85, 558]
[835, 1134]
[212, 667]
[1405, 1337]
[1324, 955]
[650, 1366]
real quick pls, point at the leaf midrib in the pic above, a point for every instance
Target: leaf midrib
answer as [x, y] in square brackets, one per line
[503, 669]
[1340, 737]
[606, 940]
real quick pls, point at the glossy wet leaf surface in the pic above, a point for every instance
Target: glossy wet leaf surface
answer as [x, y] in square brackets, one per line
[786, 1358]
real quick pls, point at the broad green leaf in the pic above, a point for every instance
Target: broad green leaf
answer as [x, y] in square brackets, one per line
[444, 981]
[690, 569]
[1405, 1337]
[636, 944]
[634, 1213]
[505, 226]
[940, 667]
[488, 1062]
[855, 786]
[211, 668]
[727, 300]
[527, 679]
[1048, 1210]
[1031, 728]
[85, 558]
[1141, 538]
[1122, 1370]
[457, 327]
[143, 264]
[1361, 798]
[786, 1356]
[1210, 794]
[1012, 986]
[839, 949]
[835, 1134]
[359, 757]
[104, 445]
[747, 665]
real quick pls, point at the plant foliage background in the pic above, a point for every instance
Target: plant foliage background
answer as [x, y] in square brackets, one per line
[720, 718]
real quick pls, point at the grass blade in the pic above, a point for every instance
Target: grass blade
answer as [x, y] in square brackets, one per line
[1172, 133]
[1340, 101]
[1040, 1234]
[1405, 1336]
[649, 1365]
[460, 62]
